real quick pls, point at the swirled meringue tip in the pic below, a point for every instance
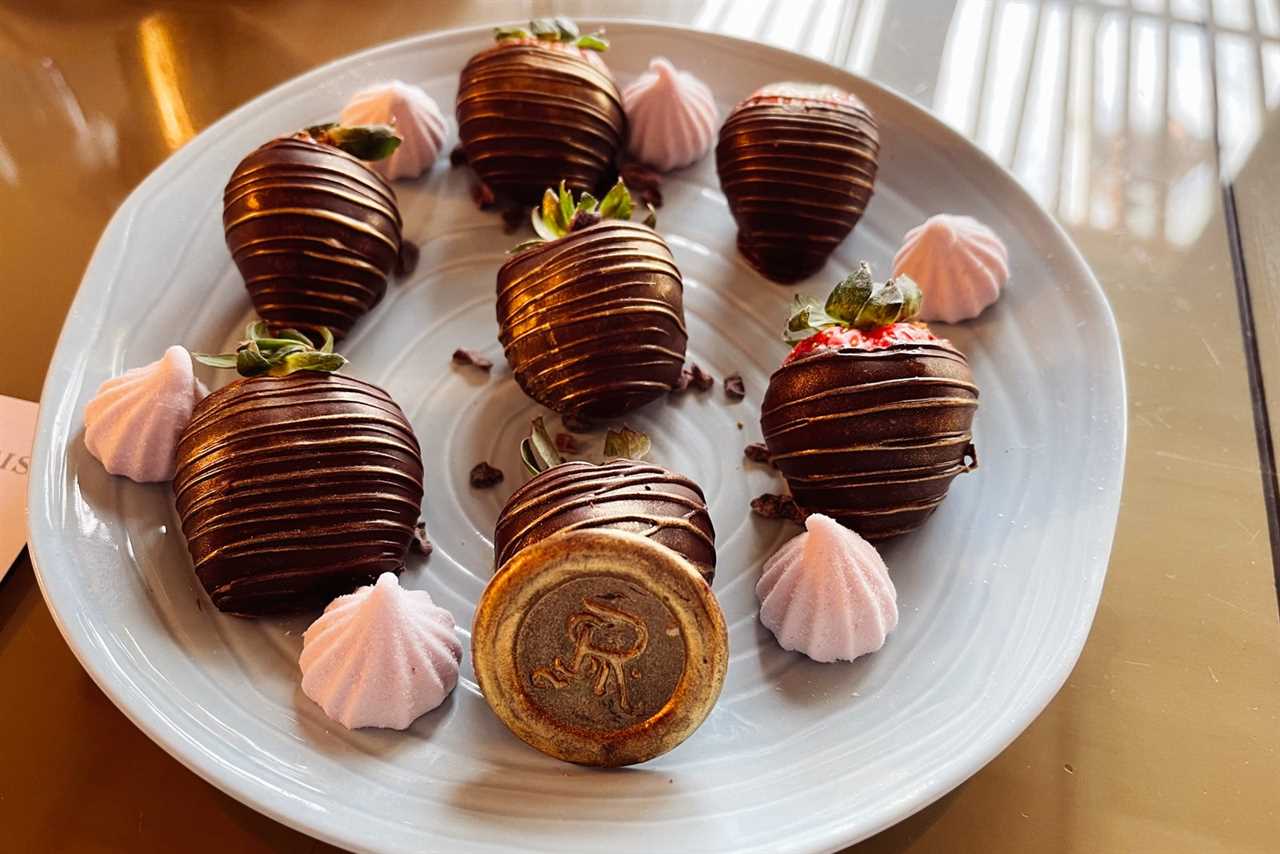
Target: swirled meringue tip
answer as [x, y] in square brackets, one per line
[416, 118]
[671, 115]
[381, 656]
[133, 423]
[958, 262]
[827, 593]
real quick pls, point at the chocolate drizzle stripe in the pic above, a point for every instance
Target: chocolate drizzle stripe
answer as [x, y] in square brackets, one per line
[896, 406]
[925, 442]
[797, 176]
[590, 251]
[880, 477]
[872, 387]
[605, 519]
[315, 213]
[314, 232]
[593, 324]
[872, 438]
[295, 489]
[307, 427]
[531, 115]
[638, 497]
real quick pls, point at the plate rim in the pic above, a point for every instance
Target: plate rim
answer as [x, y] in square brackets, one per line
[56, 410]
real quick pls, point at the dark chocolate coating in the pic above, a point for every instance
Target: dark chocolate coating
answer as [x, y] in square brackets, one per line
[624, 495]
[872, 438]
[798, 173]
[314, 231]
[593, 323]
[531, 115]
[294, 490]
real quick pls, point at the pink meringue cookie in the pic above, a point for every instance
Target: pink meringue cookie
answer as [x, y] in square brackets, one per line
[133, 423]
[827, 593]
[671, 116]
[416, 118]
[959, 264]
[381, 656]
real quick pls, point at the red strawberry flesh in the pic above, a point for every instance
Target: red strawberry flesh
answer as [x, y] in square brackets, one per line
[843, 337]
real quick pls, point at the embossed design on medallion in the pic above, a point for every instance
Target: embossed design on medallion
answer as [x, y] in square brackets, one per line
[590, 660]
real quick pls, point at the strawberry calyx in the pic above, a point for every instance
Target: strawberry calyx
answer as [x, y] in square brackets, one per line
[363, 142]
[276, 354]
[559, 215]
[858, 313]
[552, 31]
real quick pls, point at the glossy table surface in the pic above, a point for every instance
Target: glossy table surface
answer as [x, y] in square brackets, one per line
[1149, 128]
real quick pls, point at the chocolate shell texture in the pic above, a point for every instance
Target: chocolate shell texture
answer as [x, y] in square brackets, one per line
[872, 438]
[797, 163]
[293, 490]
[593, 323]
[625, 495]
[531, 115]
[315, 233]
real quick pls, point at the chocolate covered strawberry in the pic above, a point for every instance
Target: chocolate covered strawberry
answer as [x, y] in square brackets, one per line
[538, 108]
[294, 484]
[591, 314]
[625, 493]
[315, 232]
[797, 164]
[869, 418]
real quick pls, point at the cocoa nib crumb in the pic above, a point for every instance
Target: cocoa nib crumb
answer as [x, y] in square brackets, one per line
[643, 181]
[463, 356]
[734, 388]
[484, 476]
[692, 376]
[512, 218]
[420, 543]
[458, 157]
[575, 424]
[757, 452]
[407, 258]
[483, 196]
[772, 506]
[566, 444]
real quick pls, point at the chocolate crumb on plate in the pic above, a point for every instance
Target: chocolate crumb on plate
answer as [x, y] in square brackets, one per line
[772, 506]
[692, 376]
[575, 424]
[734, 388]
[472, 358]
[458, 157]
[484, 476]
[757, 452]
[482, 196]
[644, 182]
[513, 216]
[420, 542]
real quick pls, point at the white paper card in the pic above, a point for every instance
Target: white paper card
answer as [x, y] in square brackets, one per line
[17, 431]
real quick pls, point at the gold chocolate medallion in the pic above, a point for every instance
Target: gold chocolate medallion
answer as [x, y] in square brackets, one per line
[600, 647]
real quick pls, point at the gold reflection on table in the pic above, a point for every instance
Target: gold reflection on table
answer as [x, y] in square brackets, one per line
[155, 43]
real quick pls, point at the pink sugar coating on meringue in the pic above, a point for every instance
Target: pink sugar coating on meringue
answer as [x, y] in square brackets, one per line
[959, 263]
[413, 114]
[381, 656]
[671, 117]
[133, 423]
[827, 593]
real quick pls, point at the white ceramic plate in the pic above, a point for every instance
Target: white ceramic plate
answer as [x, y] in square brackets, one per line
[997, 591]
